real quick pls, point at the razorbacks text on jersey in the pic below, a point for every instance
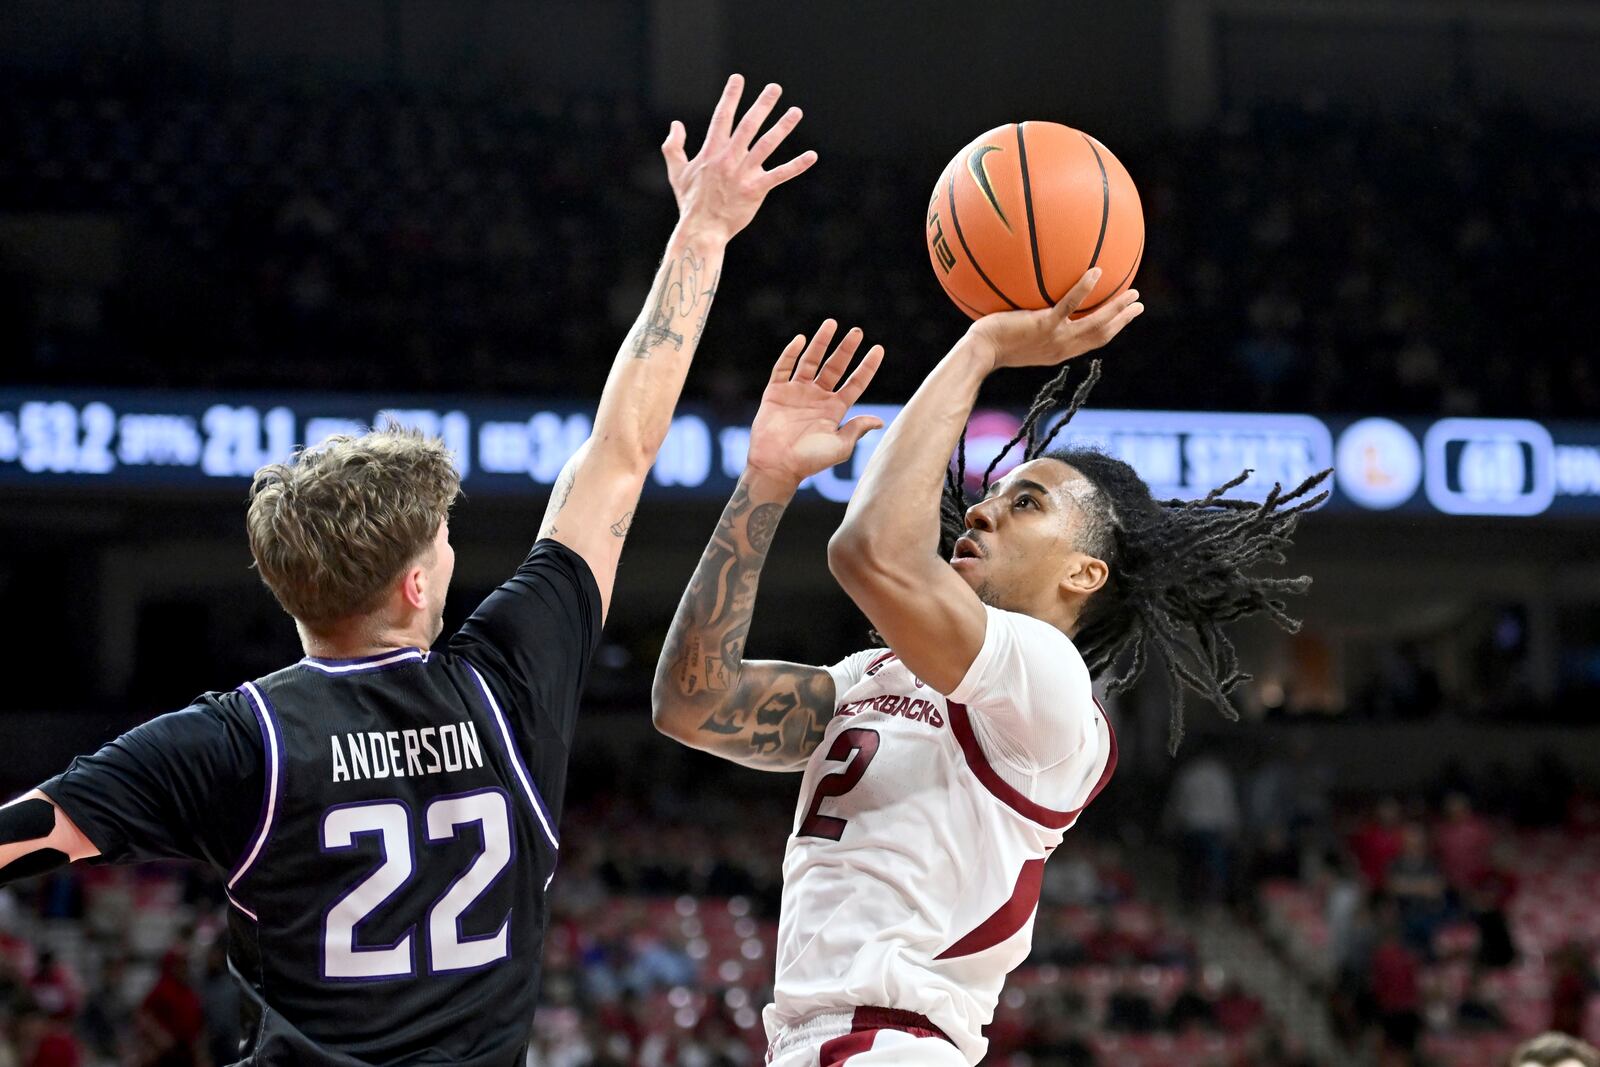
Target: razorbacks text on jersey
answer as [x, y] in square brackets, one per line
[912, 876]
[386, 828]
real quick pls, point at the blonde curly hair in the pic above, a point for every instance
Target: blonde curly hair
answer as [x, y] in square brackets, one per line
[331, 528]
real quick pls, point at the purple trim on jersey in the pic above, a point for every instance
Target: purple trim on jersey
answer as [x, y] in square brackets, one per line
[545, 822]
[271, 742]
[1010, 795]
[365, 664]
[505, 923]
[355, 929]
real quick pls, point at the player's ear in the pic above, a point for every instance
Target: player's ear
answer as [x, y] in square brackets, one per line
[1084, 574]
[414, 587]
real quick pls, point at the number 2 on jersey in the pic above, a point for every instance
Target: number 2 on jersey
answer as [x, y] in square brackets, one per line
[858, 746]
[448, 948]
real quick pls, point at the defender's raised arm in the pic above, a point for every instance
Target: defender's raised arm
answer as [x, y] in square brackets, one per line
[718, 193]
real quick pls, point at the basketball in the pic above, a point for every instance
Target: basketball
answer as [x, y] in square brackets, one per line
[1020, 213]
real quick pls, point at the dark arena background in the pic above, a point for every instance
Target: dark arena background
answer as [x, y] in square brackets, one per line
[230, 228]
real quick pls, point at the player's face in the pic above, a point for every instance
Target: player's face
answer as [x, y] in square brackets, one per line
[1021, 538]
[439, 572]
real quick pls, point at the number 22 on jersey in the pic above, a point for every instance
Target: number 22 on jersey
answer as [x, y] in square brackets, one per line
[390, 821]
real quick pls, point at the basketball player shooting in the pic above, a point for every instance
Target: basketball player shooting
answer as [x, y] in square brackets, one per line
[386, 817]
[940, 772]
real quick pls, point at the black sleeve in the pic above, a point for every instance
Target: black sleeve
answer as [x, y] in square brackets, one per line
[187, 785]
[535, 636]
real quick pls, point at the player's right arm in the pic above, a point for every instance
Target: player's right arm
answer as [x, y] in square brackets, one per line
[765, 714]
[718, 193]
[37, 836]
[186, 785]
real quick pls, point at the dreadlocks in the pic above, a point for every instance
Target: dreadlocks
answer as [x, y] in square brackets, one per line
[1178, 569]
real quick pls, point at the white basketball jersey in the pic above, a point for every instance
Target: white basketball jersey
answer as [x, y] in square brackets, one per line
[912, 876]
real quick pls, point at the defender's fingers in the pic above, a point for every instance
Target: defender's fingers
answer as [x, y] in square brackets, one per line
[672, 147]
[794, 168]
[722, 117]
[770, 140]
[784, 368]
[753, 119]
[861, 377]
[839, 361]
[1080, 292]
[812, 358]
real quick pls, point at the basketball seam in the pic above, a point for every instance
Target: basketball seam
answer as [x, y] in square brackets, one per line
[1027, 205]
[1133, 266]
[1105, 201]
[950, 193]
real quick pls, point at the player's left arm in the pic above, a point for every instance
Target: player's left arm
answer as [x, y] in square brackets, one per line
[37, 836]
[885, 552]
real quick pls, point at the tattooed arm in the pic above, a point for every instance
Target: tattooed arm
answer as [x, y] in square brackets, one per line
[718, 193]
[761, 713]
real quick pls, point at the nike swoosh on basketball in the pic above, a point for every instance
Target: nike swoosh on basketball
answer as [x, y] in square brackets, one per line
[979, 167]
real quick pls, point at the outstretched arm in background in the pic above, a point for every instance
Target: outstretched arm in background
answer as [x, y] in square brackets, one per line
[761, 713]
[718, 193]
[885, 553]
[36, 836]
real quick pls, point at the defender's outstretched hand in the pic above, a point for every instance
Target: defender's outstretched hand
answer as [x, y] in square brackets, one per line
[796, 432]
[1050, 336]
[721, 188]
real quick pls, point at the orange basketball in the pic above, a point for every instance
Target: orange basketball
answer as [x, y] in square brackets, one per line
[1021, 212]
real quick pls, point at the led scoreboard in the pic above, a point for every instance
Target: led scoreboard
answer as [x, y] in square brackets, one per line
[123, 441]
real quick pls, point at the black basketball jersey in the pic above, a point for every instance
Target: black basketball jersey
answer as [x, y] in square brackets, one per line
[387, 827]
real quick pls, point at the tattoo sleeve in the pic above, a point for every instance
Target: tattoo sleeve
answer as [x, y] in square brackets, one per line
[762, 714]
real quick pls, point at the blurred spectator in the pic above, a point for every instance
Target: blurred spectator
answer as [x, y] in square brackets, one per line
[1487, 902]
[656, 962]
[1344, 910]
[1395, 990]
[220, 1006]
[1572, 983]
[44, 1039]
[55, 989]
[1555, 1050]
[1417, 888]
[1203, 810]
[1237, 1011]
[1377, 841]
[429, 222]
[170, 1024]
[1462, 840]
[108, 1011]
[1113, 942]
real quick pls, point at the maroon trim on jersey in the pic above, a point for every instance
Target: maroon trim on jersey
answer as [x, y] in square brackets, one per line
[1010, 917]
[875, 664]
[865, 1026]
[1010, 795]
[834, 1053]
